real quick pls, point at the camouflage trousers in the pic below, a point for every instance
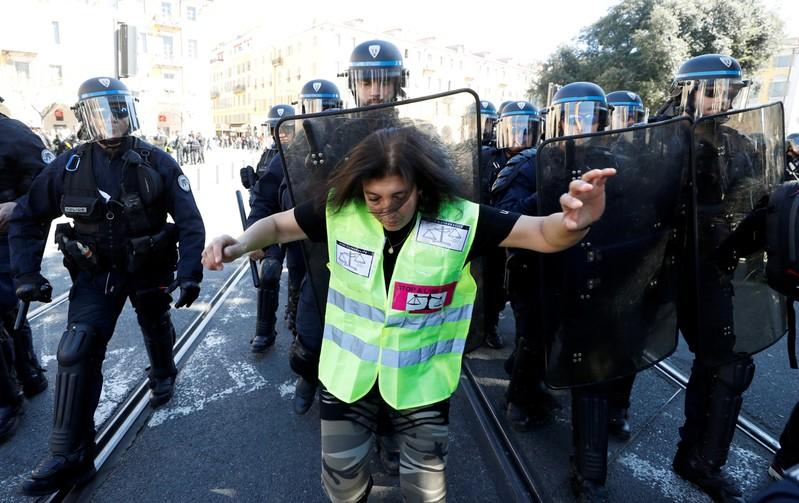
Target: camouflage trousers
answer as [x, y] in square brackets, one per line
[348, 444]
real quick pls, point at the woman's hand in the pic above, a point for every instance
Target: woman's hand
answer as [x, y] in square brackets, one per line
[585, 201]
[222, 249]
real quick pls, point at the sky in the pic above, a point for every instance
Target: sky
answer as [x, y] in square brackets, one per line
[526, 31]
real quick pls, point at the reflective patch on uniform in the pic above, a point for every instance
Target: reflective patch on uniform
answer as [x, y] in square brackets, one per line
[47, 156]
[183, 183]
[421, 298]
[443, 234]
[354, 259]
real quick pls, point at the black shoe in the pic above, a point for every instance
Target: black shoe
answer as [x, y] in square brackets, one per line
[304, 394]
[712, 481]
[34, 383]
[619, 424]
[493, 340]
[161, 390]
[9, 418]
[518, 418]
[59, 471]
[587, 491]
[261, 343]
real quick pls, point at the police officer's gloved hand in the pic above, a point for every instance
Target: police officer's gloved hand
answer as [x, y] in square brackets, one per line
[189, 291]
[33, 287]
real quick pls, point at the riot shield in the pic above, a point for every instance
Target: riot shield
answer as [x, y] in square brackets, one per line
[738, 159]
[324, 139]
[609, 304]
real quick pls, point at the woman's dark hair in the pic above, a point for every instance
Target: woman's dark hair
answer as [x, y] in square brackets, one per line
[416, 156]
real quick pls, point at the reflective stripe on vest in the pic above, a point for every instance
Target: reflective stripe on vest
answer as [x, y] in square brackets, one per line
[411, 338]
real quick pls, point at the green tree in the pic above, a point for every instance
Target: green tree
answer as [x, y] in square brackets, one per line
[640, 44]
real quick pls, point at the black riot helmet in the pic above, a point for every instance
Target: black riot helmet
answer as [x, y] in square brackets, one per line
[519, 126]
[319, 95]
[274, 115]
[376, 73]
[577, 108]
[710, 84]
[503, 105]
[106, 108]
[627, 109]
[488, 116]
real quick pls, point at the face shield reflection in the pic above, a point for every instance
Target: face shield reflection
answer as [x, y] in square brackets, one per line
[106, 117]
[624, 116]
[375, 86]
[577, 117]
[518, 131]
[316, 104]
[713, 96]
[489, 122]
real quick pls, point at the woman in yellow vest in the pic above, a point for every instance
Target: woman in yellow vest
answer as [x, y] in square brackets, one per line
[399, 304]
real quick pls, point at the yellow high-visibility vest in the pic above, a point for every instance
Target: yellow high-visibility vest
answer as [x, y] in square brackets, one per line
[412, 338]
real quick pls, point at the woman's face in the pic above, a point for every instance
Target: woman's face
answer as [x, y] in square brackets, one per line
[392, 200]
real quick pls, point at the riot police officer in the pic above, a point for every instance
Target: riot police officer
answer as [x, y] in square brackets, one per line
[118, 190]
[792, 157]
[706, 85]
[264, 185]
[627, 109]
[22, 157]
[518, 130]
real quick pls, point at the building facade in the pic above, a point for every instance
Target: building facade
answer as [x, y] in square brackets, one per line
[252, 72]
[49, 47]
[778, 80]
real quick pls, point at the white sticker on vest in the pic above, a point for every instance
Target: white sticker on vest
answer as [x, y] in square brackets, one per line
[441, 233]
[75, 209]
[354, 259]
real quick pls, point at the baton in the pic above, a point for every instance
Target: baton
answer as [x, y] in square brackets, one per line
[22, 314]
[243, 215]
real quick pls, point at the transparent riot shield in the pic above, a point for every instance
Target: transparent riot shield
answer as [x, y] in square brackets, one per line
[609, 304]
[323, 140]
[738, 160]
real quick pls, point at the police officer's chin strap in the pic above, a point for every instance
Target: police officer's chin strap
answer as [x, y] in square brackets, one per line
[111, 145]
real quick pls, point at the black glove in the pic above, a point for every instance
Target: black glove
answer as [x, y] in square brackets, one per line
[189, 291]
[33, 287]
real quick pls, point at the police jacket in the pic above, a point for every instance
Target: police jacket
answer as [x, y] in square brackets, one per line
[514, 190]
[88, 185]
[492, 160]
[265, 194]
[22, 157]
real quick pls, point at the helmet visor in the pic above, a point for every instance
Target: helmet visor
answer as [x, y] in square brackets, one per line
[713, 96]
[286, 130]
[623, 116]
[108, 116]
[319, 103]
[576, 117]
[374, 86]
[489, 123]
[518, 131]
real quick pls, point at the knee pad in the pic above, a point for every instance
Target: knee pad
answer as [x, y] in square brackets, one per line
[270, 273]
[78, 343]
[737, 376]
[303, 361]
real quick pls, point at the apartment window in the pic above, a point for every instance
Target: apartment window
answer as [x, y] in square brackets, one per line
[142, 39]
[167, 46]
[56, 33]
[166, 9]
[191, 13]
[777, 90]
[192, 48]
[23, 70]
[782, 61]
[56, 74]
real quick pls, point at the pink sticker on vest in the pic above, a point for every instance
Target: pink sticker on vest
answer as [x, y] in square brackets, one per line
[421, 299]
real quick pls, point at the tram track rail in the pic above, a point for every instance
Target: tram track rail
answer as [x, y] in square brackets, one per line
[131, 412]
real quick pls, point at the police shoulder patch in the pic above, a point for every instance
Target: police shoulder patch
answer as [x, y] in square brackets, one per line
[183, 183]
[47, 156]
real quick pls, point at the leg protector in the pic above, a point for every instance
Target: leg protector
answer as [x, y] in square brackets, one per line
[29, 372]
[159, 339]
[291, 307]
[77, 388]
[303, 361]
[590, 433]
[728, 384]
[268, 299]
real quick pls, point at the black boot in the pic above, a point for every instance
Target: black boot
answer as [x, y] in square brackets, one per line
[77, 392]
[30, 373]
[11, 401]
[159, 339]
[590, 439]
[59, 471]
[706, 439]
[304, 394]
[618, 407]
